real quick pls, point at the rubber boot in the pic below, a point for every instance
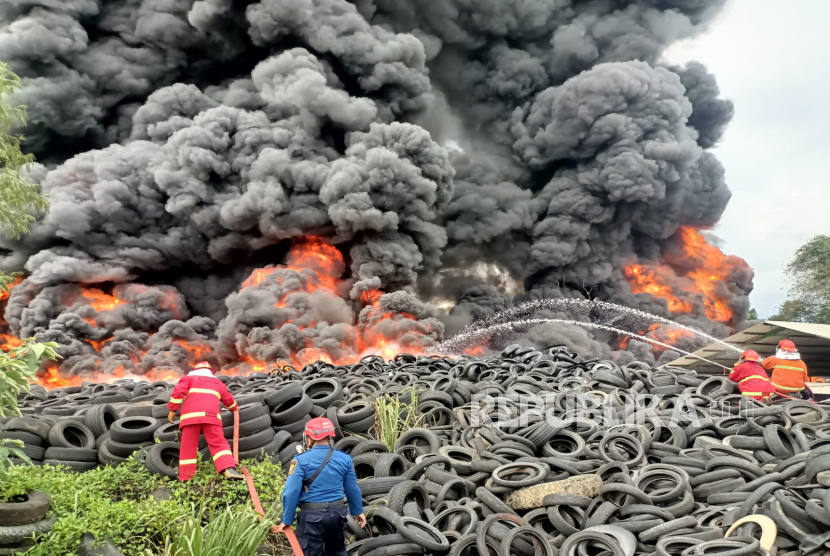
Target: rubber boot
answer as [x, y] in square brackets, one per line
[232, 473]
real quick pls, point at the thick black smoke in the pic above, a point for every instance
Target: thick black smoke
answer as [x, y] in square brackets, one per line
[447, 148]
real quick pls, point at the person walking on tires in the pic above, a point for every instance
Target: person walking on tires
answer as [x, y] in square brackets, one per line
[198, 395]
[788, 371]
[317, 480]
[751, 377]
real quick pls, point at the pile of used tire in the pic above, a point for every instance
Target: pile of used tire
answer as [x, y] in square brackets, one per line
[21, 520]
[528, 453]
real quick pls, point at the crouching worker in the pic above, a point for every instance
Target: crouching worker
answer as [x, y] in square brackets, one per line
[317, 481]
[751, 377]
[198, 395]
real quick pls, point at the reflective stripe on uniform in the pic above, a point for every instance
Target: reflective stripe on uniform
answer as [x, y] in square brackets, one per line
[759, 377]
[799, 369]
[187, 462]
[204, 391]
[788, 388]
[196, 414]
[222, 453]
[175, 400]
[232, 405]
[752, 393]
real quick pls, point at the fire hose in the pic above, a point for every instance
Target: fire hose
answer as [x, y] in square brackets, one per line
[289, 532]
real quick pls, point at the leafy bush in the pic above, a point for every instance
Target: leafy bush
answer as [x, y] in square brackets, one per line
[116, 502]
[17, 372]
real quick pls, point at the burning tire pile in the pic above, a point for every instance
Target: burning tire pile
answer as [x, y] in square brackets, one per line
[525, 453]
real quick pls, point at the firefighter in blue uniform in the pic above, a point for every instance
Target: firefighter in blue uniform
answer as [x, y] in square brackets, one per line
[317, 480]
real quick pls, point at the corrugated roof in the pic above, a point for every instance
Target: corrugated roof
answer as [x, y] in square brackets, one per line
[812, 340]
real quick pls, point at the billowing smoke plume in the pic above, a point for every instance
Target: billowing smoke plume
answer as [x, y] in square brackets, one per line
[474, 153]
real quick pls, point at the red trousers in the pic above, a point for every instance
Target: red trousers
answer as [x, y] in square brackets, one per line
[219, 449]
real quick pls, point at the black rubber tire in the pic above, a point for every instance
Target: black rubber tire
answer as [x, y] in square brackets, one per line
[247, 412]
[68, 434]
[361, 427]
[134, 430]
[355, 411]
[379, 485]
[140, 410]
[389, 465]
[323, 391]
[89, 547]
[71, 454]
[283, 394]
[168, 432]
[124, 450]
[27, 438]
[100, 418]
[424, 534]
[420, 437]
[105, 457]
[290, 411]
[264, 452]
[35, 453]
[37, 427]
[403, 549]
[249, 427]
[31, 510]
[369, 446]
[163, 459]
[493, 502]
[406, 491]
[256, 440]
[74, 466]
[17, 533]
[376, 542]
[101, 439]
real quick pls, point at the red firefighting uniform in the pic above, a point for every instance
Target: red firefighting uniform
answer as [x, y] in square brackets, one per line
[752, 380]
[788, 375]
[199, 398]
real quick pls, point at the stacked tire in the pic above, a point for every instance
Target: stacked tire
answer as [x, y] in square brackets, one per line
[23, 520]
[127, 436]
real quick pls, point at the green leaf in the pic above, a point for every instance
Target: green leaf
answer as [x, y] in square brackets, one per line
[38, 350]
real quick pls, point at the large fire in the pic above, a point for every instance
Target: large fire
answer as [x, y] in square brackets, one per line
[698, 274]
[316, 265]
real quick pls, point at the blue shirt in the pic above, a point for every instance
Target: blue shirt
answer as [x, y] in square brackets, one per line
[336, 478]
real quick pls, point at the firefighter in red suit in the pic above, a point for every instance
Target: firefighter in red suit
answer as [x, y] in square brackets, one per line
[751, 377]
[198, 395]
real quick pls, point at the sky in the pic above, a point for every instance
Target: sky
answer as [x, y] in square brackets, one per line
[771, 58]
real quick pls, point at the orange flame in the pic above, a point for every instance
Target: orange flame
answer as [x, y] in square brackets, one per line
[706, 281]
[101, 301]
[4, 295]
[648, 280]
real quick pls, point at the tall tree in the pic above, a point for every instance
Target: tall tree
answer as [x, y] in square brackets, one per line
[19, 199]
[809, 273]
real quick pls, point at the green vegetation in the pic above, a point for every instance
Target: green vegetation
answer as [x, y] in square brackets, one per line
[752, 314]
[234, 531]
[394, 417]
[117, 502]
[19, 199]
[17, 372]
[809, 274]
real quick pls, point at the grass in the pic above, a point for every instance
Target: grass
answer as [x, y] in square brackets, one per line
[116, 502]
[233, 531]
[394, 417]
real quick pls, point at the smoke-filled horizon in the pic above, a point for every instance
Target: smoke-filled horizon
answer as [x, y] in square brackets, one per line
[475, 153]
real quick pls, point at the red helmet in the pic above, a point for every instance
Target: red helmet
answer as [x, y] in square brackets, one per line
[786, 345]
[319, 428]
[750, 355]
[203, 365]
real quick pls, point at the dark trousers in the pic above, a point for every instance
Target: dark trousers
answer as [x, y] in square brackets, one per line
[321, 531]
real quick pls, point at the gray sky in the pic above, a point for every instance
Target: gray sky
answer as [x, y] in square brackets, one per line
[772, 59]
